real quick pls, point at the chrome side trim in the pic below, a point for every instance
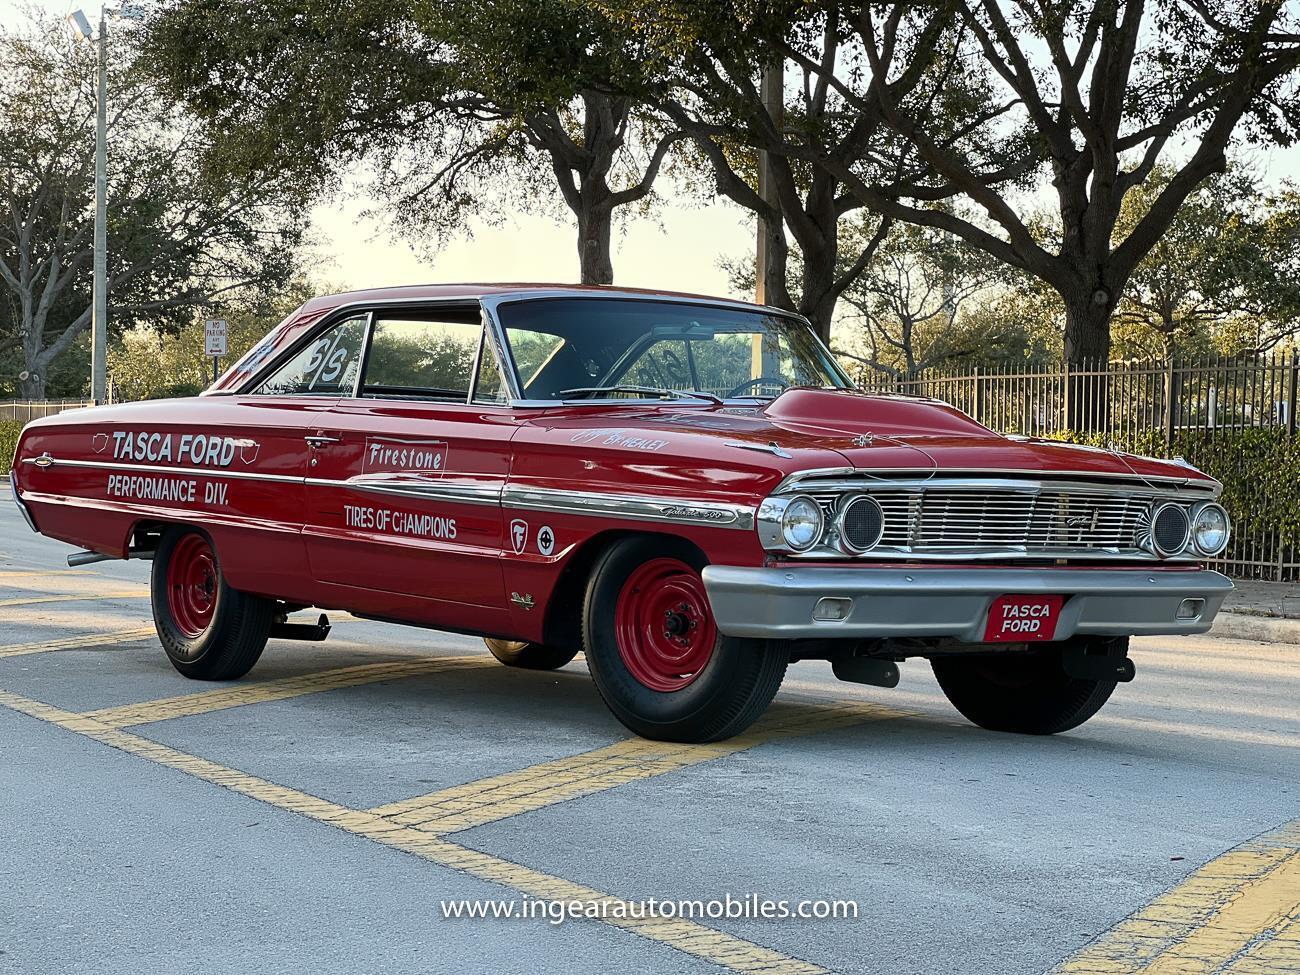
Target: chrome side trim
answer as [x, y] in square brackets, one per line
[630, 507]
[46, 461]
[425, 489]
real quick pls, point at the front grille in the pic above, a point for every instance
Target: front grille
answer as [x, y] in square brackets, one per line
[1170, 529]
[862, 522]
[1046, 521]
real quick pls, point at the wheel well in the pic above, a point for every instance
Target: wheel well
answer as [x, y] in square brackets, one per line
[144, 537]
[563, 625]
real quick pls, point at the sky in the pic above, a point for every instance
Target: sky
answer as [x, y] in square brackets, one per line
[680, 249]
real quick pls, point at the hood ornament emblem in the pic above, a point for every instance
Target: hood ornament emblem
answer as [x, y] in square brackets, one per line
[864, 440]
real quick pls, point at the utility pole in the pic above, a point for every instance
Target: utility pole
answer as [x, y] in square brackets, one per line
[99, 296]
[772, 87]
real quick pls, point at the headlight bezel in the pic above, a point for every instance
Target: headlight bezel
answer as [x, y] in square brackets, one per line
[772, 523]
[1194, 516]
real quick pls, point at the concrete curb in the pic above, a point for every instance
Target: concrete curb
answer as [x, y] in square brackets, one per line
[1262, 629]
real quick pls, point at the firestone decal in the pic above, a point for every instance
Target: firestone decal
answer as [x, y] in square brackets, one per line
[189, 449]
[395, 522]
[617, 438]
[518, 535]
[417, 456]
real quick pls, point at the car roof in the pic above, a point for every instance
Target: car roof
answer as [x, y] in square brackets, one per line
[473, 291]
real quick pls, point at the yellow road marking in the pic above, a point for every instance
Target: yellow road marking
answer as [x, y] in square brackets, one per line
[502, 796]
[74, 597]
[686, 936]
[1239, 910]
[279, 689]
[78, 642]
[1280, 955]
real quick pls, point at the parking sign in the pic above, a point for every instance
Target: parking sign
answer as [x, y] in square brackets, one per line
[214, 336]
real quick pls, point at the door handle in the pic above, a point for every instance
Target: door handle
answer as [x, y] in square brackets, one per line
[319, 440]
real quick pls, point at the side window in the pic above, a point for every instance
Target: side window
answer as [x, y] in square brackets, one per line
[328, 366]
[488, 388]
[421, 358]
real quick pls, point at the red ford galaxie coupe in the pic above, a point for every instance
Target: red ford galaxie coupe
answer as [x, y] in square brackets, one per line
[687, 489]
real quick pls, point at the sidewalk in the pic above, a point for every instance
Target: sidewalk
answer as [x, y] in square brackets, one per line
[1264, 611]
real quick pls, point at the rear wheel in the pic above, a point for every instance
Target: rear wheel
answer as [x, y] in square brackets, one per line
[210, 631]
[1027, 692]
[529, 656]
[655, 652]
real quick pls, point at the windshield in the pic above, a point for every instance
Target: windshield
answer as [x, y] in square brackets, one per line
[601, 348]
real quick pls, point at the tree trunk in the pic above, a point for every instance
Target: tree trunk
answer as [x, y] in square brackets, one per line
[595, 224]
[817, 294]
[1087, 349]
[33, 387]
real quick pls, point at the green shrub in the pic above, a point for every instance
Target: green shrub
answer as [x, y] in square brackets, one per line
[9, 430]
[1260, 471]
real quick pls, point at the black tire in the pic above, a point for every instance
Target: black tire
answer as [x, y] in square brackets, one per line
[529, 656]
[1027, 692]
[237, 624]
[721, 698]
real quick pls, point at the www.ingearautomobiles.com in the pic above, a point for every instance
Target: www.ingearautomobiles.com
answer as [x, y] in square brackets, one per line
[728, 907]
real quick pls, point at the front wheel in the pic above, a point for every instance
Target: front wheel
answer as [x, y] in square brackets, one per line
[1028, 692]
[656, 655]
[210, 631]
[529, 656]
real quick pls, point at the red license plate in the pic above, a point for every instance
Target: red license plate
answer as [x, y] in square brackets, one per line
[1017, 619]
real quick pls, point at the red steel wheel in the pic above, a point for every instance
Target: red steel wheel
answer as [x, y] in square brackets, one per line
[209, 630]
[656, 653]
[664, 626]
[192, 582]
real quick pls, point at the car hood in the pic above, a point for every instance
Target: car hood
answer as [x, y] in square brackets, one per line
[815, 428]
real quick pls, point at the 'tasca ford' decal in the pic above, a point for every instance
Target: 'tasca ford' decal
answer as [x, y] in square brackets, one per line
[184, 449]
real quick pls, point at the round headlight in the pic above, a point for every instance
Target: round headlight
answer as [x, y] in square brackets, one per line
[1210, 529]
[801, 524]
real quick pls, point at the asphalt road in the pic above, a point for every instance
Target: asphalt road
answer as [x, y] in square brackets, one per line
[264, 826]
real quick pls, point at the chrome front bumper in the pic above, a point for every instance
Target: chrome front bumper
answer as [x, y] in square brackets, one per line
[916, 601]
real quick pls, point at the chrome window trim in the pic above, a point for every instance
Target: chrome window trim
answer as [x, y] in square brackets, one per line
[340, 313]
[492, 303]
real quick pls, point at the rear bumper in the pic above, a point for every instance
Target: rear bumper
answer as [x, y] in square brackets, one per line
[915, 601]
[27, 514]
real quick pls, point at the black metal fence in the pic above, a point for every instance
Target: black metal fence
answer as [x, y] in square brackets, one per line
[1124, 400]
[1233, 418]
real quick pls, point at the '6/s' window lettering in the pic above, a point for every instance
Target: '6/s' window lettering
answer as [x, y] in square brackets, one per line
[328, 366]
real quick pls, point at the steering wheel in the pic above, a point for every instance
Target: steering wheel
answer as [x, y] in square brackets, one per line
[754, 383]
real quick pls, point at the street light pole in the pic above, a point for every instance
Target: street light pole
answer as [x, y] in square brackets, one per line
[99, 296]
